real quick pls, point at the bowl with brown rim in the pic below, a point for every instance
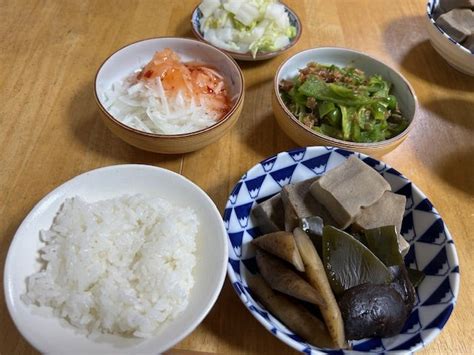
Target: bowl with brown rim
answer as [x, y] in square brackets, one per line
[304, 135]
[135, 56]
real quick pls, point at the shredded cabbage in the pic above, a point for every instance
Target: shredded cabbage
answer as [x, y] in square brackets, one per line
[246, 25]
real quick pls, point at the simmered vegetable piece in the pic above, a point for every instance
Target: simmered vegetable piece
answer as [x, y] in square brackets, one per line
[349, 263]
[383, 242]
[387, 211]
[317, 278]
[313, 226]
[402, 284]
[281, 278]
[415, 276]
[299, 203]
[295, 316]
[346, 189]
[372, 310]
[269, 215]
[281, 244]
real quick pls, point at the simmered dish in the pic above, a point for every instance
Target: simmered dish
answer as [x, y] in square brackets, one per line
[456, 17]
[169, 96]
[119, 266]
[343, 103]
[333, 242]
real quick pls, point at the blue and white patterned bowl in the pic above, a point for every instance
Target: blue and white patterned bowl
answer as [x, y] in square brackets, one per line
[432, 248]
[294, 21]
[455, 54]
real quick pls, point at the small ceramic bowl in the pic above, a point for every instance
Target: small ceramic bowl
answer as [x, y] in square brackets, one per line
[431, 250]
[134, 56]
[294, 21]
[305, 136]
[455, 54]
[48, 334]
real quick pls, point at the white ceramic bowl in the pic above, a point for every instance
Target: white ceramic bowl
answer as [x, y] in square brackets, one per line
[136, 55]
[456, 55]
[47, 334]
[305, 136]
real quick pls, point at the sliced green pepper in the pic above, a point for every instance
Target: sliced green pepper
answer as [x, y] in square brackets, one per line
[325, 107]
[346, 123]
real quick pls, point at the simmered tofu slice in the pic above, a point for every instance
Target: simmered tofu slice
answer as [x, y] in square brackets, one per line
[458, 23]
[448, 5]
[469, 42]
[388, 211]
[299, 202]
[269, 215]
[347, 188]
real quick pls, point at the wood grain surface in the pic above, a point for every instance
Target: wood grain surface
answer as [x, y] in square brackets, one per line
[51, 131]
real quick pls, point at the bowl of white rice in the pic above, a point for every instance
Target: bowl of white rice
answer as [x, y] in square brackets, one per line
[122, 259]
[145, 113]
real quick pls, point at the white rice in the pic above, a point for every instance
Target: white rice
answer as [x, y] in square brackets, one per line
[121, 266]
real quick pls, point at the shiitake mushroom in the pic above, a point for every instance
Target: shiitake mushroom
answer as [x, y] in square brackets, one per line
[402, 284]
[372, 310]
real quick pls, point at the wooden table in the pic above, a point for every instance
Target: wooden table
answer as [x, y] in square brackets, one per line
[50, 129]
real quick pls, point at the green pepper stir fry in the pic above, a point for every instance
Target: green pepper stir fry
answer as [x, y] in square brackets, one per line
[343, 103]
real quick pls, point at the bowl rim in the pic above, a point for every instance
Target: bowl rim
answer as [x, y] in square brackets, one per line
[224, 119]
[430, 5]
[247, 55]
[110, 169]
[248, 303]
[330, 141]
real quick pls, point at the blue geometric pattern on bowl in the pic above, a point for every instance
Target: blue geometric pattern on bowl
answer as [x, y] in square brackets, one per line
[431, 247]
[430, 10]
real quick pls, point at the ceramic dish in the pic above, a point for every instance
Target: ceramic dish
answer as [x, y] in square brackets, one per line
[305, 136]
[455, 54]
[432, 249]
[294, 21]
[47, 334]
[134, 56]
